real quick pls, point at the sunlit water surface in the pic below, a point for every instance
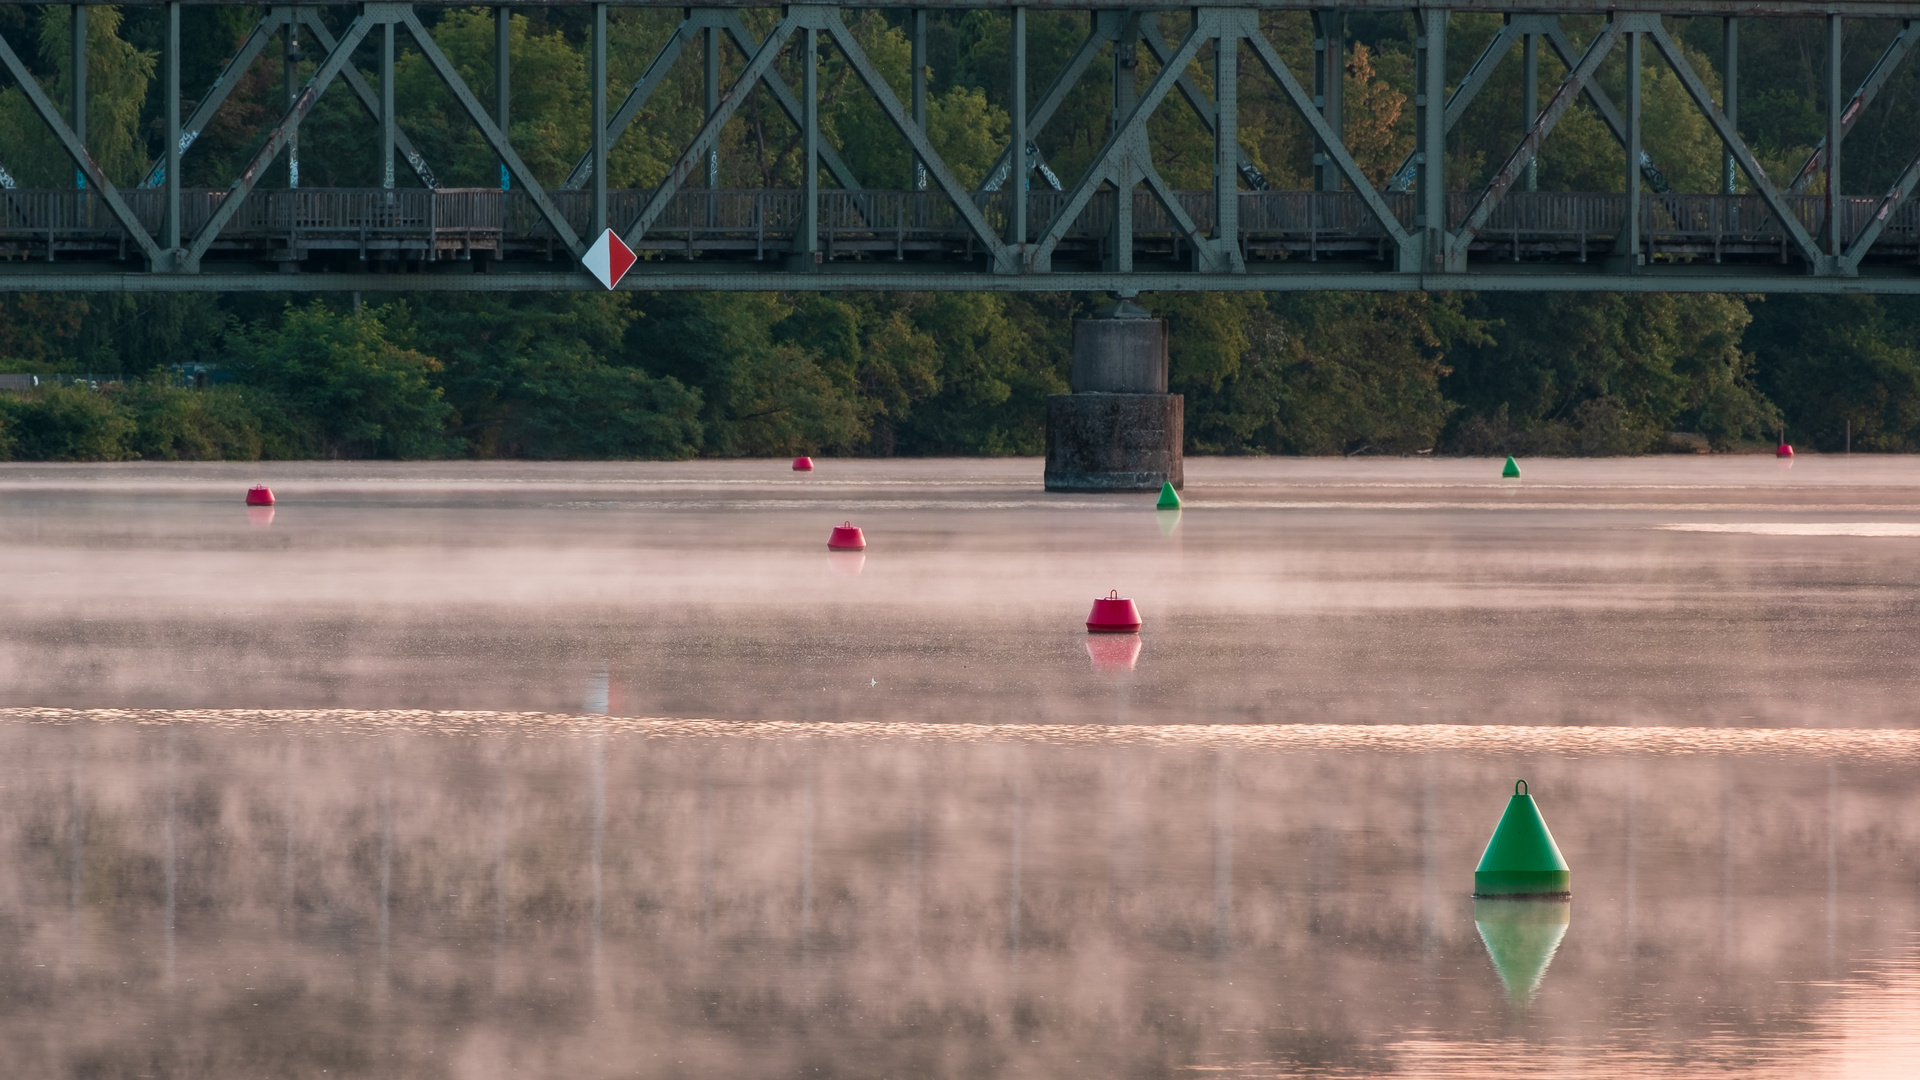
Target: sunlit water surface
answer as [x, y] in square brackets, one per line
[575, 771]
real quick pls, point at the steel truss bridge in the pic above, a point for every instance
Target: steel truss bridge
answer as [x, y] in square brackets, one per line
[1118, 228]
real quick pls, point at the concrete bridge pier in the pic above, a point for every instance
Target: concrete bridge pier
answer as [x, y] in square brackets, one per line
[1119, 430]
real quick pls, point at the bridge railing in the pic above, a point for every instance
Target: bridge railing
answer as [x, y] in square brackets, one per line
[877, 219]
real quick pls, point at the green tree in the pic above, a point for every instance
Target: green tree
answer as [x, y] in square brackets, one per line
[354, 390]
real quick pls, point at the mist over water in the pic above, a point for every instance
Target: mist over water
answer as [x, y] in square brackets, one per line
[475, 770]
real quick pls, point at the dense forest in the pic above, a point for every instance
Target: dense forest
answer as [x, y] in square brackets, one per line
[691, 374]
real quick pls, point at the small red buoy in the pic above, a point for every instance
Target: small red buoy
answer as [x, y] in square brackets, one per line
[1113, 614]
[259, 495]
[1783, 450]
[846, 537]
[803, 463]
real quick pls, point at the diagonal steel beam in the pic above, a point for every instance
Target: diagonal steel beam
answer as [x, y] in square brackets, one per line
[368, 99]
[1122, 160]
[283, 132]
[496, 139]
[693, 157]
[1463, 95]
[650, 81]
[1731, 139]
[1196, 99]
[1106, 27]
[937, 169]
[263, 32]
[743, 39]
[1335, 145]
[1883, 70]
[1901, 191]
[82, 160]
[1509, 172]
[1563, 48]
[662, 66]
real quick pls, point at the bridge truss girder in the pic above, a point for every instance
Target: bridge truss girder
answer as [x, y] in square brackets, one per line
[1433, 247]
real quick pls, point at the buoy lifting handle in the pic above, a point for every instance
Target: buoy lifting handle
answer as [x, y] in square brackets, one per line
[1519, 787]
[1113, 594]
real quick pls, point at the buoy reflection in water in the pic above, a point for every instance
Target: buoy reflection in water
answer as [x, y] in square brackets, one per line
[1521, 936]
[847, 563]
[1113, 652]
[260, 516]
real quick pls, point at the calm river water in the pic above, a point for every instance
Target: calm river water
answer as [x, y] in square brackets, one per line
[579, 771]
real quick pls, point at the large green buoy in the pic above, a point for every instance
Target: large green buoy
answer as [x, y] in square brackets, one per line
[1511, 470]
[1521, 936]
[1521, 858]
[1169, 499]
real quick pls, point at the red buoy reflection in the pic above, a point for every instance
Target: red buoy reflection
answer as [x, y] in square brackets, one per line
[1113, 652]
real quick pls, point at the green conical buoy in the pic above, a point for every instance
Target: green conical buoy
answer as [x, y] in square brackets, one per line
[1169, 499]
[1521, 937]
[1511, 470]
[1521, 859]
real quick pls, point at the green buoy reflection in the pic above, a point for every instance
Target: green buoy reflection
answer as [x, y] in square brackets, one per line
[1521, 936]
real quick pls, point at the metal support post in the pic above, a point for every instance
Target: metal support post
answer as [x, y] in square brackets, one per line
[386, 106]
[597, 93]
[77, 85]
[1530, 76]
[1836, 238]
[1730, 96]
[170, 213]
[920, 92]
[712, 100]
[1017, 116]
[1430, 137]
[1226, 151]
[290, 68]
[1329, 85]
[502, 85]
[1630, 228]
[1126, 90]
[807, 241]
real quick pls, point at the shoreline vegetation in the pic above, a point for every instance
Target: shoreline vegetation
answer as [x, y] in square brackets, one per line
[674, 376]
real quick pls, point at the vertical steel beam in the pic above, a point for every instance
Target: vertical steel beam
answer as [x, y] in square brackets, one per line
[1017, 116]
[1630, 228]
[1730, 95]
[1226, 151]
[170, 219]
[1126, 61]
[712, 99]
[1126, 94]
[77, 84]
[502, 83]
[1430, 136]
[290, 69]
[807, 242]
[1836, 238]
[1329, 85]
[386, 106]
[597, 94]
[1530, 76]
[920, 92]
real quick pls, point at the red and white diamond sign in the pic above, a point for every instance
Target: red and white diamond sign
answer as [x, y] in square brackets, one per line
[608, 259]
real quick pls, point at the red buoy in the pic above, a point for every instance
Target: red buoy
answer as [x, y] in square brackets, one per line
[259, 495]
[803, 463]
[846, 537]
[1783, 450]
[1113, 614]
